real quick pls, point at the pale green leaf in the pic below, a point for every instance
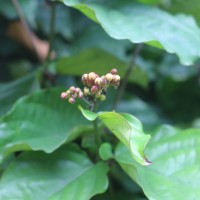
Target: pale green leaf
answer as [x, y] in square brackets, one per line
[174, 173]
[127, 129]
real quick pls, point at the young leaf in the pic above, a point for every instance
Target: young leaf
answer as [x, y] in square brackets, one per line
[142, 23]
[41, 121]
[174, 173]
[65, 174]
[127, 129]
[105, 151]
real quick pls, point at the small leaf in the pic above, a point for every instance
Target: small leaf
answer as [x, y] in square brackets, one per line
[65, 174]
[175, 172]
[105, 151]
[41, 121]
[127, 129]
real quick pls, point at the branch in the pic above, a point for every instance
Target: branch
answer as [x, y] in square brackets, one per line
[128, 73]
[25, 26]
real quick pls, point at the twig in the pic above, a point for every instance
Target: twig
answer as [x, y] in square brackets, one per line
[91, 105]
[24, 24]
[128, 73]
[52, 28]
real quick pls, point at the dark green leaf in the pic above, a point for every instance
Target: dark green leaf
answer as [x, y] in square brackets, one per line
[141, 23]
[41, 121]
[65, 174]
[10, 92]
[174, 173]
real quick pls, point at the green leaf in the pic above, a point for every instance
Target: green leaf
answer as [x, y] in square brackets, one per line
[142, 23]
[10, 92]
[65, 174]
[101, 62]
[174, 173]
[105, 151]
[189, 7]
[41, 121]
[127, 129]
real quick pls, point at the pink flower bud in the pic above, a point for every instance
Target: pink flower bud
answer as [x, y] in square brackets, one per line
[72, 89]
[78, 90]
[98, 82]
[63, 95]
[104, 81]
[80, 95]
[114, 71]
[84, 79]
[109, 77]
[71, 100]
[94, 89]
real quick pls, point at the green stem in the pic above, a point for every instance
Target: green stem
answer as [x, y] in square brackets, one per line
[127, 75]
[97, 134]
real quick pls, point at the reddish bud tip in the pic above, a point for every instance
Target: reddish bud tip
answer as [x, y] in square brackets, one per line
[72, 89]
[80, 95]
[114, 71]
[63, 95]
[71, 100]
[94, 89]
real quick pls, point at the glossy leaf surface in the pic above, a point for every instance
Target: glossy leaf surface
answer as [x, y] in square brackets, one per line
[65, 174]
[174, 173]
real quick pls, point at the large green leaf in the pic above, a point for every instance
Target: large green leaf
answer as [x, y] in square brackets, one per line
[141, 23]
[101, 62]
[174, 173]
[10, 92]
[65, 174]
[189, 7]
[41, 121]
[127, 129]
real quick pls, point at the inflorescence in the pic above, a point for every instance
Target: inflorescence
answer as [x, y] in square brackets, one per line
[95, 87]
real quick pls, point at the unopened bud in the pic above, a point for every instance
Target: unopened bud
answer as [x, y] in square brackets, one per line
[92, 76]
[114, 71]
[94, 89]
[71, 100]
[72, 89]
[63, 95]
[116, 78]
[104, 81]
[102, 97]
[109, 77]
[78, 90]
[86, 91]
[98, 82]
[84, 79]
[80, 95]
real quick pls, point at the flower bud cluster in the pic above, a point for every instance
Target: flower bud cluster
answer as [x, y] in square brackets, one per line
[95, 85]
[72, 93]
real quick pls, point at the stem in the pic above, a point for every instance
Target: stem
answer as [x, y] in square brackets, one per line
[128, 73]
[24, 24]
[91, 105]
[51, 31]
[97, 134]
